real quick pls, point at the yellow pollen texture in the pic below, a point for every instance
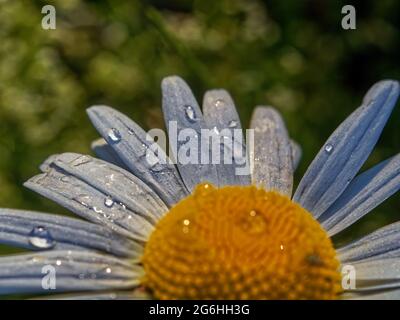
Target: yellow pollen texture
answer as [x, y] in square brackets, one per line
[239, 243]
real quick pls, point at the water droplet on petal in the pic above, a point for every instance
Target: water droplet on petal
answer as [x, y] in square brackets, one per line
[97, 210]
[83, 200]
[328, 148]
[219, 103]
[216, 131]
[232, 124]
[190, 113]
[109, 202]
[41, 238]
[114, 135]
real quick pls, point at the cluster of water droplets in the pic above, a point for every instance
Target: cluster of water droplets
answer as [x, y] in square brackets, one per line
[108, 203]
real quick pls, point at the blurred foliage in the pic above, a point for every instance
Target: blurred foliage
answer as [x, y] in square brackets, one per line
[293, 55]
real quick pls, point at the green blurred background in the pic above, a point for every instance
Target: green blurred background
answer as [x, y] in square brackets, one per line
[293, 55]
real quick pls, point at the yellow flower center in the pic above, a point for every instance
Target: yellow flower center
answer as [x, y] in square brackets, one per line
[240, 243]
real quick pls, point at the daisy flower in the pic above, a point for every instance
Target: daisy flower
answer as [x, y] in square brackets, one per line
[201, 231]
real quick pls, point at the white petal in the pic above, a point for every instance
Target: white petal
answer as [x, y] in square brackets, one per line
[73, 271]
[273, 162]
[21, 228]
[103, 150]
[220, 114]
[363, 194]
[346, 150]
[181, 108]
[384, 242]
[129, 141]
[90, 203]
[120, 185]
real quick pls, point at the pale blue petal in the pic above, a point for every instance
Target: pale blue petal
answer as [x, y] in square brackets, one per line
[363, 194]
[346, 150]
[221, 116]
[74, 271]
[90, 203]
[130, 143]
[378, 274]
[17, 228]
[181, 110]
[382, 243]
[273, 162]
[102, 149]
[120, 185]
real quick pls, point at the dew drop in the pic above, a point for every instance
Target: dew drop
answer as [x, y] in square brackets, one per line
[203, 190]
[41, 238]
[232, 124]
[109, 202]
[108, 270]
[219, 103]
[114, 135]
[190, 113]
[253, 223]
[97, 210]
[328, 148]
[83, 200]
[58, 262]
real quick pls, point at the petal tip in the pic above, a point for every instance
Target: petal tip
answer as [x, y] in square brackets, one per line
[382, 88]
[171, 81]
